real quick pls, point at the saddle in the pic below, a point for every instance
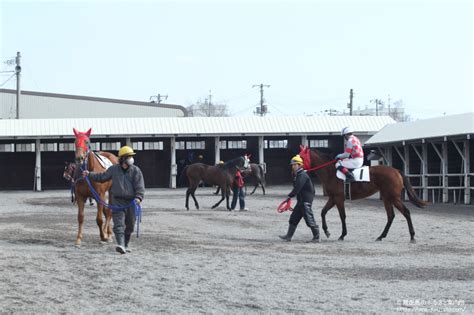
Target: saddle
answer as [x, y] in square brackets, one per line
[105, 162]
[360, 174]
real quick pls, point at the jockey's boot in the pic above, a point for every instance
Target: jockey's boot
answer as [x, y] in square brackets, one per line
[315, 231]
[345, 171]
[349, 177]
[120, 244]
[289, 234]
[127, 240]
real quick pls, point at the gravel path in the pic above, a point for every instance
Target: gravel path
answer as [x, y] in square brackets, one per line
[215, 261]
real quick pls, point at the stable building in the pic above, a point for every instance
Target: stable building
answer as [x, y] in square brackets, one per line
[436, 154]
[51, 105]
[33, 151]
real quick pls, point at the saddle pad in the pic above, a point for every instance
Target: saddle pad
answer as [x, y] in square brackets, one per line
[105, 162]
[360, 174]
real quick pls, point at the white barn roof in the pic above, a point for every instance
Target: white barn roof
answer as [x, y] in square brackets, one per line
[191, 126]
[445, 126]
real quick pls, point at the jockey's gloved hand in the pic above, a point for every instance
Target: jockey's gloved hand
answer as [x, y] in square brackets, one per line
[85, 173]
[342, 156]
[137, 201]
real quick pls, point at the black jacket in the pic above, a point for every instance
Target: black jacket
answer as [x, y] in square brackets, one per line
[303, 187]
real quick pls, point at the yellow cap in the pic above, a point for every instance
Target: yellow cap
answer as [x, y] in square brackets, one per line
[296, 160]
[125, 151]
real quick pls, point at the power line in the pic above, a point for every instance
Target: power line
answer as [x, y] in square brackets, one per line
[8, 79]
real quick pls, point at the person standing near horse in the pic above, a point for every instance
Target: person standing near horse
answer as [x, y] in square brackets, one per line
[303, 189]
[353, 156]
[238, 192]
[127, 187]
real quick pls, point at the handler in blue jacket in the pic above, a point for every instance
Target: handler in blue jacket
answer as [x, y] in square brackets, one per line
[127, 185]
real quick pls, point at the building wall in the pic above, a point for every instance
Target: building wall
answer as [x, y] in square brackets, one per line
[45, 105]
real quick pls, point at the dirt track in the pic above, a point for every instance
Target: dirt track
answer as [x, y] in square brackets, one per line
[216, 261]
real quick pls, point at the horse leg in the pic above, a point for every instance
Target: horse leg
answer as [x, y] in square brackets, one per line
[188, 192]
[99, 220]
[329, 204]
[80, 220]
[254, 189]
[342, 215]
[406, 213]
[263, 188]
[194, 197]
[223, 196]
[390, 216]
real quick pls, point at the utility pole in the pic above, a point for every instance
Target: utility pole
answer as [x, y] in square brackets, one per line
[349, 105]
[18, 71]
[158, 98]
[377, 103]
[389, 104]
[263, 108]
[209, 104]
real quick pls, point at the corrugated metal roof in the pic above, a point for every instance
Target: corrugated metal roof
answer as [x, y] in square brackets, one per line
[191, 126]
[454, 125]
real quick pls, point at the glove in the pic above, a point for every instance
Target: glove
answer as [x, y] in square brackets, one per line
[85, 173]
[340, 156]
[137, 201]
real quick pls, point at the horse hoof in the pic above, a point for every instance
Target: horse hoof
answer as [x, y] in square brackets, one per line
[78, 246]
[341, 238]
[413, 241]
[327, 234]
[378, 239]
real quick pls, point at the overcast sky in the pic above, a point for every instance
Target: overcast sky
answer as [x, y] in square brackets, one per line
[311, 53]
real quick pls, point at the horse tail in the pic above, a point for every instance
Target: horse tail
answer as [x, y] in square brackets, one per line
[183, 179]
[262, 178]
[414, 199]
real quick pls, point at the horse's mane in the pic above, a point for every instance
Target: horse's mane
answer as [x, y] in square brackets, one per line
[231, 163]
[327, 156]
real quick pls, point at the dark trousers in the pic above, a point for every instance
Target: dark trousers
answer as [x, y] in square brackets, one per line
[238, 192]
[124, 220]
[303, 210]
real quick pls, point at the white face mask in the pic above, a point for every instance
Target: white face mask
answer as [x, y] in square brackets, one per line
[130, 161]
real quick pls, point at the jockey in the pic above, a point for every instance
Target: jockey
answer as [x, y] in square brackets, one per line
[353, 156]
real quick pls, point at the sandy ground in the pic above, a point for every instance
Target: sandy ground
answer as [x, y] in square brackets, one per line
[215, 261]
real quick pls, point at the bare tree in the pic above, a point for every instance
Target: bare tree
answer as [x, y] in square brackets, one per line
[203, 109]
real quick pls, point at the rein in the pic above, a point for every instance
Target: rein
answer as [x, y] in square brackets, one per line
[138, 208]
[320, 166]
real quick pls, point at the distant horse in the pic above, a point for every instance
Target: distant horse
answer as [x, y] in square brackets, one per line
[254, 174]
[219, 175]
[388, 180]
[85, 157]
[68, 174]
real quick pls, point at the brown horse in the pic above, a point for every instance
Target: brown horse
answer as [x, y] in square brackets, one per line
[255, 175]
[388, 180]
[218, 175]
[85, 158]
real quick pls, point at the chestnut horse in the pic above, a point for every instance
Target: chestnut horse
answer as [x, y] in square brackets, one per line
[218, 175]
[85, 158]
[388, 180]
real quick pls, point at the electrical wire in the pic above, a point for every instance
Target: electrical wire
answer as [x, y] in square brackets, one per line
[7, 80]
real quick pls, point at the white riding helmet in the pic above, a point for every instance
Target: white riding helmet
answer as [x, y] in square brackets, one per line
[346, 130]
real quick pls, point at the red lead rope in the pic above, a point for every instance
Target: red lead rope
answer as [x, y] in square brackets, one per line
[285, 206]
[321, 166]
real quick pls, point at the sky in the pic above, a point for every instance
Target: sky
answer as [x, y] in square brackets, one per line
[311, 53]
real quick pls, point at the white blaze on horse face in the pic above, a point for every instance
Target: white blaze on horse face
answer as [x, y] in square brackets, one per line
[246, 162]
